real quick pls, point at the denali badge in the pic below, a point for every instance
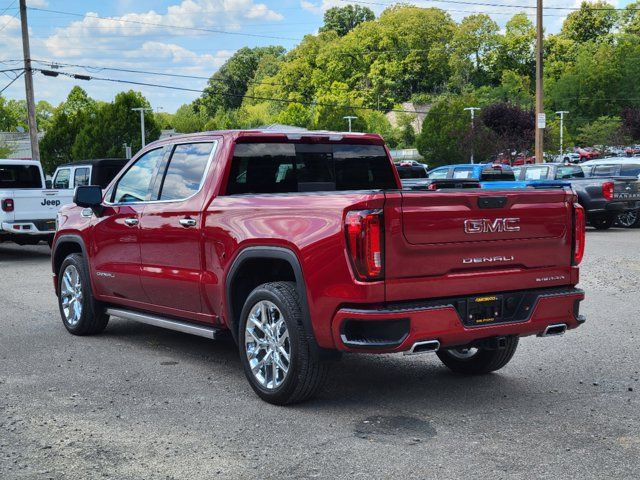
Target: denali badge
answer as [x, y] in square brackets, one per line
[485, 225]
[499, 258]
[105, 274]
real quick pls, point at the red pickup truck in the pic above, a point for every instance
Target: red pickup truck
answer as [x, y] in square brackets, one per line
[303, 245]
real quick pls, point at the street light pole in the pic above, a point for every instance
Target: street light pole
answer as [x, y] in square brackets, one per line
[562, 113]
[540, 117]
[142, 110]
[473, 127]
[349, 119]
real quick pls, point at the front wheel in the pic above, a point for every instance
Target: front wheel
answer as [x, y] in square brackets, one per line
[275, 349]
[478, 361]
[81, 314]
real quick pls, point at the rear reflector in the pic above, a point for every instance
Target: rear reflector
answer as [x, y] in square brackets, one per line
[364, 230]
[607, 190]
[578, 233]
[7, 205]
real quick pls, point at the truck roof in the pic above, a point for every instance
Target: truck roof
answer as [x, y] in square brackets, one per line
[94, 162]
[277, 133]
[13, 161]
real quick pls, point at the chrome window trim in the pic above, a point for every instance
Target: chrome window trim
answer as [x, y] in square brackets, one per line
[172, 146]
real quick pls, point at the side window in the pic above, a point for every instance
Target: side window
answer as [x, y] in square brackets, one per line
[134, 185]
[262, 168]
[463, 172]
[569, 171]
[516, 172]
[536, 173]
[604, 171]
[185, 171]
[439, 173]
[630, 170]
[62, 179]
[81, 176]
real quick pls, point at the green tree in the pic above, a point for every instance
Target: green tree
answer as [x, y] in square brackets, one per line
[473, 50]
[114, 125]
[65, 124]
[605, 131]
[593, 22]
[189, 118]
[227, 87]
[517, 47]
[344, 19]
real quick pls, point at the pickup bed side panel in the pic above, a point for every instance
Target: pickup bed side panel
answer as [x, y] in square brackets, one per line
[311, 226]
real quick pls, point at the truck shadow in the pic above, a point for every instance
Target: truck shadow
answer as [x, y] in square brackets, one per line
[10, 252]
[365, 382]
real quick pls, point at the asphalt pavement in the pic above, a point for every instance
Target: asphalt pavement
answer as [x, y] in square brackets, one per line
[139, 402]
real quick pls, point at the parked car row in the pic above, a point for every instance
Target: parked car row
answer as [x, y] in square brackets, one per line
[29, 203]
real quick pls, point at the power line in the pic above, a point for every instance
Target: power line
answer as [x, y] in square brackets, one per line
[9, 21]
[140, 22]
[8, 7]
[11, 82]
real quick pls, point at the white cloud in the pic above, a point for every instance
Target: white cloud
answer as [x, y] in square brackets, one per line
[321, 7]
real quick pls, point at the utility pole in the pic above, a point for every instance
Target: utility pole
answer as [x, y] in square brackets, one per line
[28, 83]
[540, 116]
[142, 110]
[562, 113]
[349, 119]
[473, 127]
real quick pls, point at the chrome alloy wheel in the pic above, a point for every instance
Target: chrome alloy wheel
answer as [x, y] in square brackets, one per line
[267, 345]
[71, 295]
[628, 219]
[462, 353]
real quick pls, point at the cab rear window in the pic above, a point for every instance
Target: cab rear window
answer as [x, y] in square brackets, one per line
[297, 167]
[20, 176]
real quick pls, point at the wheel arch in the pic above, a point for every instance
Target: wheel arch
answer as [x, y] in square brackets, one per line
[64, 246]
[247, 272]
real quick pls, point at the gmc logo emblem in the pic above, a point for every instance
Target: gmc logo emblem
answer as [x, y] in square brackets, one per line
[485, 225]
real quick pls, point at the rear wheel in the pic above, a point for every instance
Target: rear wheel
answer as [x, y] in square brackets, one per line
[630, 219]
[275, 349]
[478, 361]
[81, 314]
[601, 223]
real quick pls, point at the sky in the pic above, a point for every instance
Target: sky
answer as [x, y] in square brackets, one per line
[186, 37]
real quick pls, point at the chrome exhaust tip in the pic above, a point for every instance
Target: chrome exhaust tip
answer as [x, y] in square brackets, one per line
[426, 346]
[554, 330]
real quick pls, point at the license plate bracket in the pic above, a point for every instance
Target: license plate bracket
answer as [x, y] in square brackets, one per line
[484, 310]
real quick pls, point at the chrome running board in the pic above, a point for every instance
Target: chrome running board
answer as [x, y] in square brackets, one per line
[177, 325]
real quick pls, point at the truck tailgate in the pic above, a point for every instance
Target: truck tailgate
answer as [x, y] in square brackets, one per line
[35, 204]
[448, 243]
[626, 188]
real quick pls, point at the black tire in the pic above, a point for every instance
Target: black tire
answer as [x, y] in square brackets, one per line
[482, 362]
[601, 223]
[630, 219]
[93, 318]
[306, 373]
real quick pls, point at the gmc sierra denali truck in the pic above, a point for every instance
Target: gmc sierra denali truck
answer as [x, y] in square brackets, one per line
[303, 245]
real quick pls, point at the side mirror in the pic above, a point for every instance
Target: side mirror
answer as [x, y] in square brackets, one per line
[89, 196]
[48, 185]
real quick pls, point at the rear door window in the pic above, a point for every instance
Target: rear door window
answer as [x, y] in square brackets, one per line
[439, 173]
[185, 172]
[605, 171]
[81, 176]
[630, 170]
[463, 172]
[61, 181]
[291, 167]
[536, 173]
[569, 171]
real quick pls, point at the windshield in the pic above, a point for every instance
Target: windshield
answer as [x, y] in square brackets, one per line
[20, 176]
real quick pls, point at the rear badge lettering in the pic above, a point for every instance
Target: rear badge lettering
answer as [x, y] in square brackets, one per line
[551, 279]
[486, 225]
[496, 259]
[50, 203]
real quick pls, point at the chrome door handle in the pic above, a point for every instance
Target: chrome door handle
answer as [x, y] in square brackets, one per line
[188, 222]
[132, 222]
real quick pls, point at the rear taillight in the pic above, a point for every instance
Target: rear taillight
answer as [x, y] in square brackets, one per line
[365, 243]
[607, 190]
[578, 233]
[7, 205]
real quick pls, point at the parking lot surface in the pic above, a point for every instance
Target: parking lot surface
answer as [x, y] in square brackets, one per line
[139, 402]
